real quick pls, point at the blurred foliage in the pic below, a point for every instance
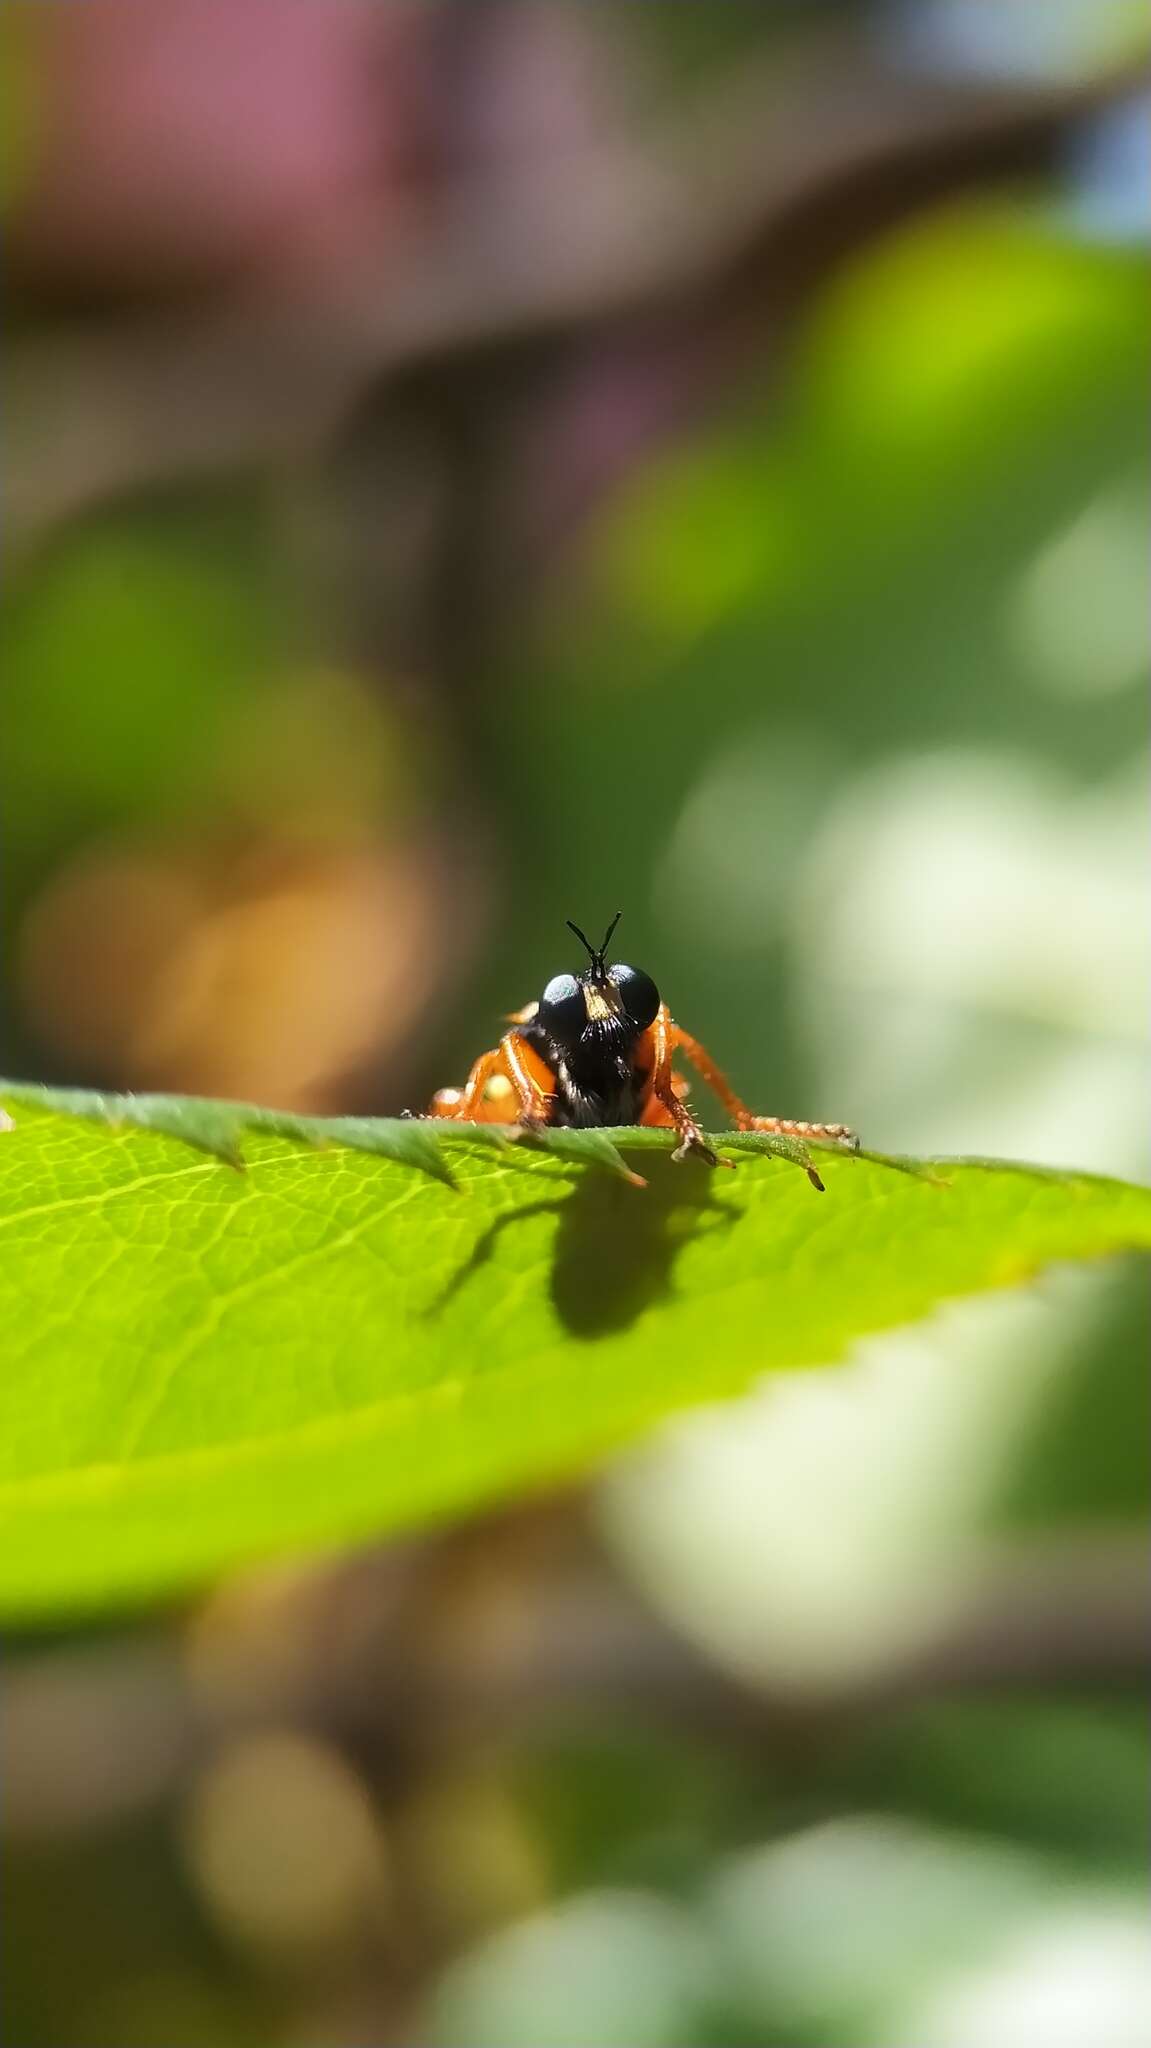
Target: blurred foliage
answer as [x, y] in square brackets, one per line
[822, 1721]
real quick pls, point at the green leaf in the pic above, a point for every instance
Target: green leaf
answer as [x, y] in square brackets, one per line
[233, 1331]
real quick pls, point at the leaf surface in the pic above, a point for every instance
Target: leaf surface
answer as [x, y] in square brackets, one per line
[232, 1332]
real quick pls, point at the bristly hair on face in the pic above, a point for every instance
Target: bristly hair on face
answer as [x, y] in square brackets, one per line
[597, 953]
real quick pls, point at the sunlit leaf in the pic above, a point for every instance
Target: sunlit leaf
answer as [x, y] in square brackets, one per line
[233, 1331]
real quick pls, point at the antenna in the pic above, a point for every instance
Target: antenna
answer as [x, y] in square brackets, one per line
[596, 952]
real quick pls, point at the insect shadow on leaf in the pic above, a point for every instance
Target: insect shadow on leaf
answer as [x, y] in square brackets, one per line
[616, 1246]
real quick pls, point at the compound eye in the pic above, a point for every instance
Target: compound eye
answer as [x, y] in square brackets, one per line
[563, 1011]
[638, 994]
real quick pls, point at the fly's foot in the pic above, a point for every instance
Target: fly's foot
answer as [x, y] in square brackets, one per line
[528, 1124]
[693, 1144]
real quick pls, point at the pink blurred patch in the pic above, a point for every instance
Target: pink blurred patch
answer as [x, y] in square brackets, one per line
[189, 139]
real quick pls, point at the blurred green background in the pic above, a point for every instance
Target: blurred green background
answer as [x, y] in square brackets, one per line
[472, 467]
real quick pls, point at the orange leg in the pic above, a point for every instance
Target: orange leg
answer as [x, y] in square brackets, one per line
[665, 1094]
[522, 1073]
[742, 1117]
[656, 1114]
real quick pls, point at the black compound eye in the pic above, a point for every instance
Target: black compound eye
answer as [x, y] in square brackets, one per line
[638, 994]
[563, 1011]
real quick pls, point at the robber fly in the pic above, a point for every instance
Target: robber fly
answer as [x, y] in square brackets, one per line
[596, 1050]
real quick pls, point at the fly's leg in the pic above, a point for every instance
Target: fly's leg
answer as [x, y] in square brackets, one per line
[664, 1092]
[511, 1074]
[746, 1119]
[532, 1080]
[742, 1117]
[791, 1127]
